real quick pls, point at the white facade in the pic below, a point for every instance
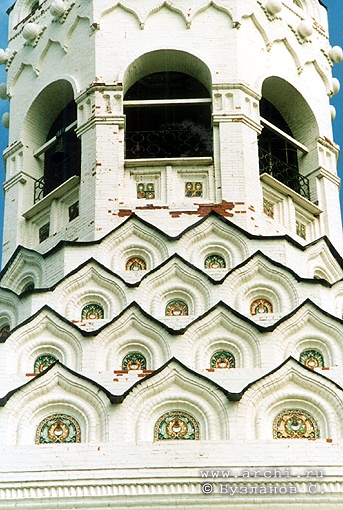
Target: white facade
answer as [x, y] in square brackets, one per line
[172, 258]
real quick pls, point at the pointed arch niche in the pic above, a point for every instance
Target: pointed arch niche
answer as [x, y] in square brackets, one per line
[292, 387]
[175, 390]
[133, 333]
[57, 393]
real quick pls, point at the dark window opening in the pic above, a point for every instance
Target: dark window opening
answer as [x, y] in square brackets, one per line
[34, 6]
[73, 211]
[4, 331]
[63, 157]
[168, 115]
[44, 232]
[277, 156]
[28, 287]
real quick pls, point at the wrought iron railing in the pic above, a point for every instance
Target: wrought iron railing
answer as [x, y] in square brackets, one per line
[168, 143]
[38, 190]
[284, 172]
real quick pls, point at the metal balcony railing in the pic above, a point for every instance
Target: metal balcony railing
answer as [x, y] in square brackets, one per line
[284, 172]
[38, 190]
[168, 143]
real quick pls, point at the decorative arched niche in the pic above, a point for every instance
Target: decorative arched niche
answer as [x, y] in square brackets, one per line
[295, 424]
[312, 358]
[176, 308]
[92, 311]
[58, 428]
[42, 362]
[176, 425]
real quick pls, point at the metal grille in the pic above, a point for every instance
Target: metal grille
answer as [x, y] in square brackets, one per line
[167, 143]
[284, 172]
[39, 187]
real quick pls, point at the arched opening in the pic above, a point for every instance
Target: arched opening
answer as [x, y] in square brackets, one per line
[34, 6]
[214, 261]
[167, 104]
[168, 114]
[289, 133]
[55, 145]
[63, 154]
[277, 155]
[4, 330]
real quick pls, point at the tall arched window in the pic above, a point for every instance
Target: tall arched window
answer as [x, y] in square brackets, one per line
[168, 114]
[289, 133]
[277, 154]
[63, 152]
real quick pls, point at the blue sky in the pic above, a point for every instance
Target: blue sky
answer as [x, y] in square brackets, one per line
[335, 8]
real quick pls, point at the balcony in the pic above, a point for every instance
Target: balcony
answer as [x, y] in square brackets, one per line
[284, 172]
[168, 143]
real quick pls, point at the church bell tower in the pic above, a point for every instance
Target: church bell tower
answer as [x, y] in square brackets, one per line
[171, 293]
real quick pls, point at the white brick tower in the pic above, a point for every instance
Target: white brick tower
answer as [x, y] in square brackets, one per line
[172, 291]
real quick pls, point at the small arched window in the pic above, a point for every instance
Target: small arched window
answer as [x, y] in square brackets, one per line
[168, 114]
[176, 425]
[43, 362]
[92, 312]
[58, 428]
[176, 308]
[34, 6]
[135, 264]
[261, 306]
[28, 286]
[214, 261]
[4, 331]
[295, 424]
[134, 361]
[312, 358]
[222, 359]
